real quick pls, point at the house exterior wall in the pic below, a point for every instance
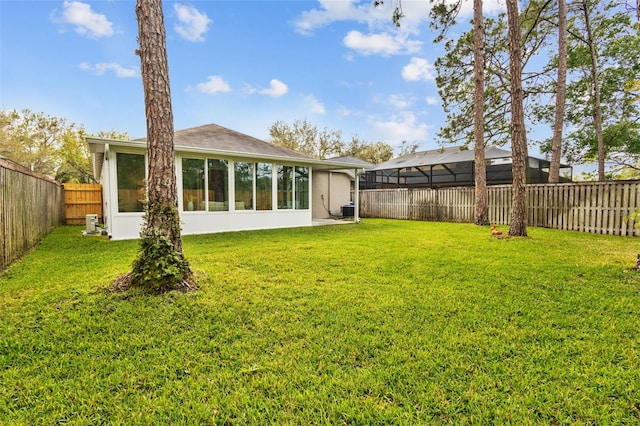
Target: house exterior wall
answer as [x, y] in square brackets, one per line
[331, 190]
[121, 225]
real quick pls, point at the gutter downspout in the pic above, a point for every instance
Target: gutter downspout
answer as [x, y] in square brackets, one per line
[329, 193]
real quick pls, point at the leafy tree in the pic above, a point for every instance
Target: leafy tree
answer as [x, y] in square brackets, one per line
[444, 15]
[456, 82]
[160, 265]
[48, 144]
[34, 139]
[622, 146]
[376, 153]
[306, 138]
[475, 80]
[76, 160]
[77, 166]
[407, 148]
[603, 60]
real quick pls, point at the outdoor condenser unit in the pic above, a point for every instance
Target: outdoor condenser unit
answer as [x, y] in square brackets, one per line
[92, 223]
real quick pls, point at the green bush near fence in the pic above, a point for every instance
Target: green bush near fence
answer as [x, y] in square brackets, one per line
[387, 322]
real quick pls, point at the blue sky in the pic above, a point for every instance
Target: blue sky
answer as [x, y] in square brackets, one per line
[239, 64]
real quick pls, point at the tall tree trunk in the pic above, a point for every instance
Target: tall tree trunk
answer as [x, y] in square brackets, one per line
[518, 226]
[561, 91]
[161, 265]
[481, 216]
[597, 108]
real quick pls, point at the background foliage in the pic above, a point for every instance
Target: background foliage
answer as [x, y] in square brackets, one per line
[49, 145]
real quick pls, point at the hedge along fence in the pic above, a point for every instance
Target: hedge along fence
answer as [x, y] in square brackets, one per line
[31, 205]
[595, 207]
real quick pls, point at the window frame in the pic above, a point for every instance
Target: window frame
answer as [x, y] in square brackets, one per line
[116, 190]
[198, 205]
[296, 180]
[253, 187]
[226, 194]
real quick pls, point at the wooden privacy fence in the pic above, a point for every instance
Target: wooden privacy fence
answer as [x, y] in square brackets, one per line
[30, 207]
[596, 207]
[81, 199]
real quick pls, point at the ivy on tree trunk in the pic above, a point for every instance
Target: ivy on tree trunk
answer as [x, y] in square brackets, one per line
[161, 265]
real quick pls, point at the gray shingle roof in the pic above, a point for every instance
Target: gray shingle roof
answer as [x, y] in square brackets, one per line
[351, 160]
[218, 138]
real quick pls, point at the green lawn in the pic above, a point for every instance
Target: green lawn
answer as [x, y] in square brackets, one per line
[387, 322]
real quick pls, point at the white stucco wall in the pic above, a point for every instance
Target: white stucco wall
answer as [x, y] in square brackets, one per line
[331, 190]
[121, 226]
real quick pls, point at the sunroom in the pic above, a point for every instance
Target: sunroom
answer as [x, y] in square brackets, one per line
[227, 181]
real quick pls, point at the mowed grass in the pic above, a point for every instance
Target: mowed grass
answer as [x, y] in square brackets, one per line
[387, 322]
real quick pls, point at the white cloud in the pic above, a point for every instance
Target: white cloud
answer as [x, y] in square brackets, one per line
[403, 126]
[315, 107]
[332, 11]
[343, 111]
[276, 89]
[416, 13]
[383, 44]
[215, 84]
[418, 69]
[248, 89]
[400, 101]
[103, 67]
[489, 7]
[192, 24]
[432, 100]
[86, 21]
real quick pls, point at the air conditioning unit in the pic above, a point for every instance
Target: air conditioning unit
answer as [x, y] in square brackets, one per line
[92, 223]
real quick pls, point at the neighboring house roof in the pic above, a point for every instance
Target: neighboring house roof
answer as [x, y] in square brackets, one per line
[212, 139]
[440, 156]
[351, 160]
[347, 159]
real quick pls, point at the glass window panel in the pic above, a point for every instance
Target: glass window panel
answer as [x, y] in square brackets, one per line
[285, 187]
[302, 187]
[218, 175]
[130, 178]
[192, 184]
[243, 186]
[264, 188]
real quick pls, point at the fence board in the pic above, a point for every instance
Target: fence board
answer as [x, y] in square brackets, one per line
[595, 207]
[81, 200]
[30, 207]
